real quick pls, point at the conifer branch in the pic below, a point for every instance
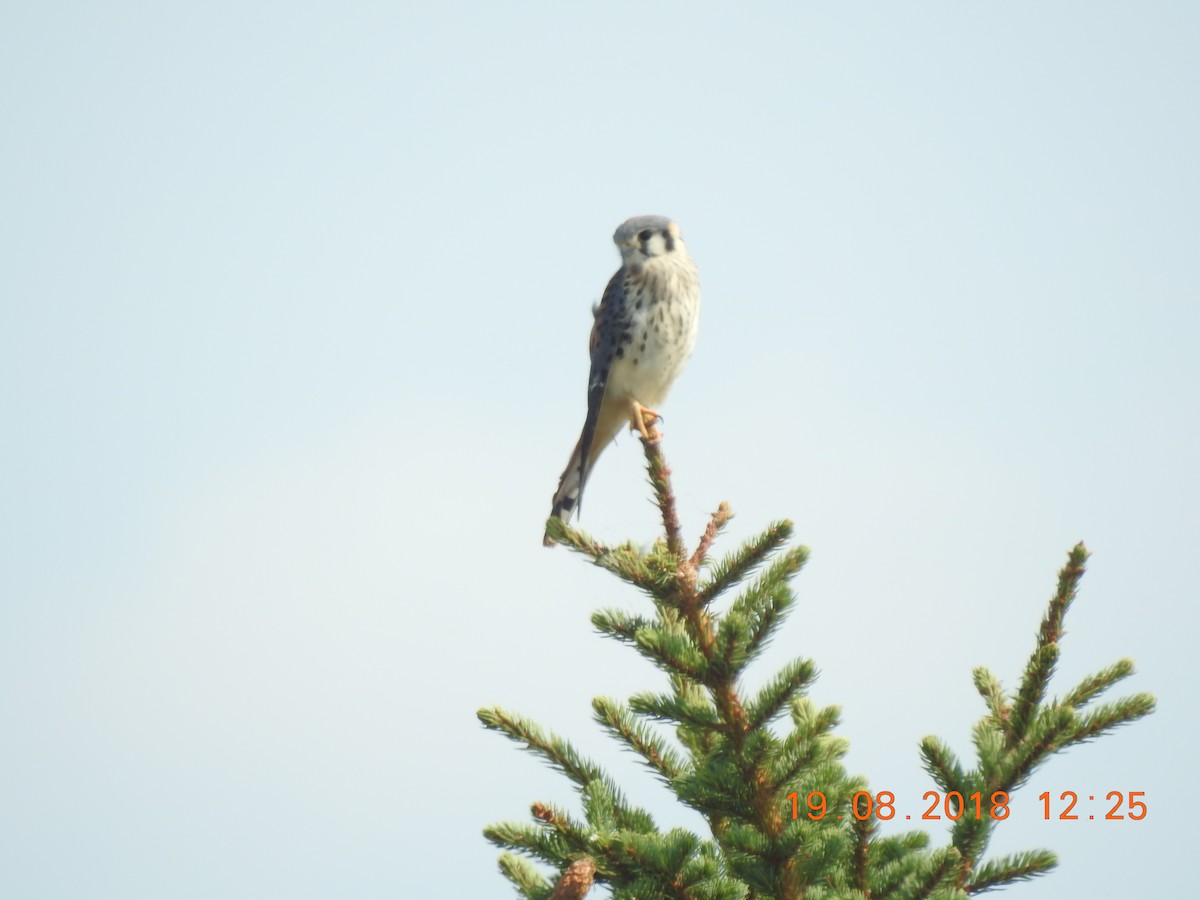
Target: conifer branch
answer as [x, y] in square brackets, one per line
[894, 859]
[533, 840]
[1111, 716]
[562, 533]
[601, 810]
[990, 745]
[660, 481]
[895, 847]
[559, 820]
[864, 831]
[755, 614]
[716, 525]
[1046, 735]
[720, 671]
[628, 564]
[886, 877]
[623, 560]
[675, 708]
[527, 879]
[992, 692]
[1010, 869]
[942, 765]
[560, 754]
[1045, 655]
[1032, 690]
[1068, 586]
[619, 720]
[806, 748]
[781, 690]
[1013, 740]
[934, 872]
[664, 854]
[736, 566]
[736, 762]
[1094, 685]
[620, 625]
[674, 650]
[969, 836]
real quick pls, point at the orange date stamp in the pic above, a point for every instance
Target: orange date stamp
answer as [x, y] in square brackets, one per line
[1125, 805]
[954, 806]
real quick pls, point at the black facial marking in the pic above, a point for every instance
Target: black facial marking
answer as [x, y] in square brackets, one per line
[645, 235]
[670, 241]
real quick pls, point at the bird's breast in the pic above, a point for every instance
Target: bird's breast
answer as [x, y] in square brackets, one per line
[659, 333]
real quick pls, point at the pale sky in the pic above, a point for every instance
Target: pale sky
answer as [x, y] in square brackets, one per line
[294, 302]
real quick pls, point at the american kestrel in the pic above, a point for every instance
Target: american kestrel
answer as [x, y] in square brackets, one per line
[644, 332]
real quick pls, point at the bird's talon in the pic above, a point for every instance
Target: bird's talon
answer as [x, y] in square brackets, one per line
[643, 421]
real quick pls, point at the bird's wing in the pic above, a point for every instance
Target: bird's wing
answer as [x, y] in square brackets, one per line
[610, 316]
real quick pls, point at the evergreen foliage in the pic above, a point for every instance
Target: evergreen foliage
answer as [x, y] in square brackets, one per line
[755, 782]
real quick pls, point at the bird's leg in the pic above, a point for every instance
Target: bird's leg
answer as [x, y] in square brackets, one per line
[642, 419]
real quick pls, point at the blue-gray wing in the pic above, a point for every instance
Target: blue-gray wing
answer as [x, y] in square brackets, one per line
[611, 321]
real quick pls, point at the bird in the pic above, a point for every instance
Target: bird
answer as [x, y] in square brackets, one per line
[643, 333]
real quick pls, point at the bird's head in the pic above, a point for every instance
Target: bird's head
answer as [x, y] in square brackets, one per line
[647, 237]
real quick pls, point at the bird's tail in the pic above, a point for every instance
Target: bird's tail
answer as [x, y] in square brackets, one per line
[570, 489]
[570, 485]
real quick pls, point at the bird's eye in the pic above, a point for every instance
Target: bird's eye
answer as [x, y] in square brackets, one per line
[645, 235]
